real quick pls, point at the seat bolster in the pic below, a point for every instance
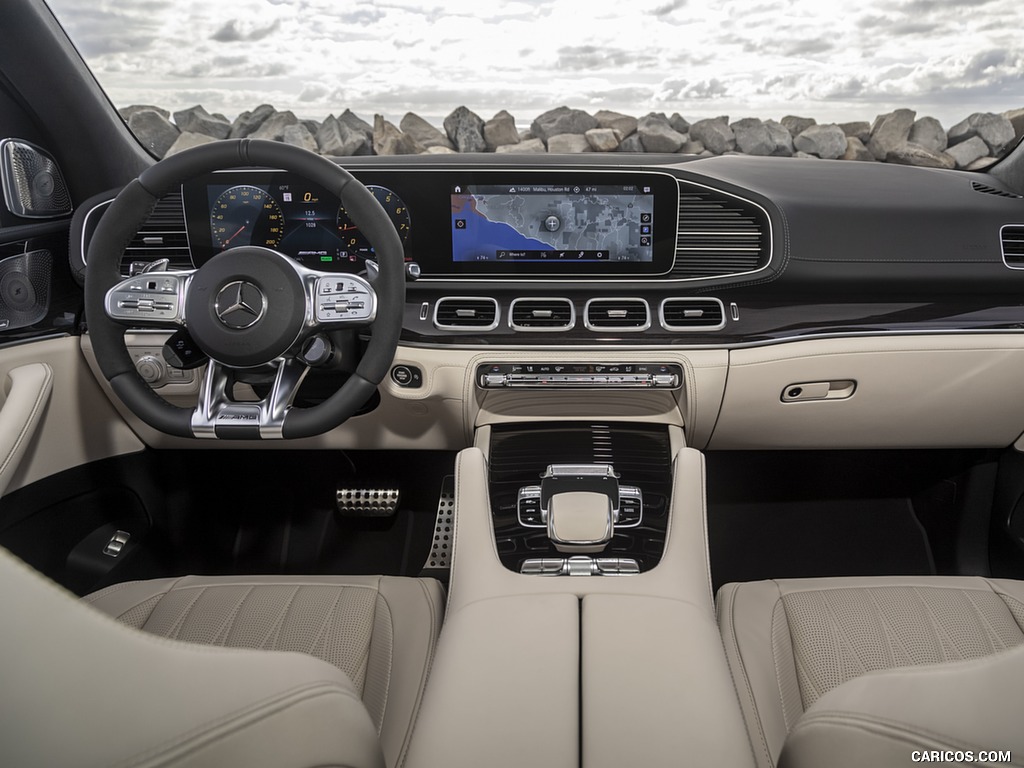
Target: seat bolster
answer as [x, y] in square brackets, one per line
[881, 718]
[766, 682]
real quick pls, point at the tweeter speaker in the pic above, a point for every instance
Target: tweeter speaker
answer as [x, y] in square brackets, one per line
[33, 185]
[24, 289]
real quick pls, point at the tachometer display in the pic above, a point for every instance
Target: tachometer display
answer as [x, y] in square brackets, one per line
[246, 215]
[353, 242]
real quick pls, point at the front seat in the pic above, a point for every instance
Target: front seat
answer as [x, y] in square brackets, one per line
[877, 670]
[81, 689]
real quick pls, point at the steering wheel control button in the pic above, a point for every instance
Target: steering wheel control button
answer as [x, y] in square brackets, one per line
[146, 297]
[344, 300]
[240, 305]
[407, 376]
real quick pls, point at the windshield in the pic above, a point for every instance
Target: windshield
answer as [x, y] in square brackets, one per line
[924, 82]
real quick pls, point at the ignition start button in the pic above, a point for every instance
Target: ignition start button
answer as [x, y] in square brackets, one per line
[407, 376]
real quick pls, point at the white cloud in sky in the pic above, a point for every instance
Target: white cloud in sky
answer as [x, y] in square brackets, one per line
[832, 61]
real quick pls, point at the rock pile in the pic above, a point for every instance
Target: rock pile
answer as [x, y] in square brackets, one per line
[896, 137]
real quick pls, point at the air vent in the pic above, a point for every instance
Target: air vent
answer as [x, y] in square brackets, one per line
[1012, 238]
[542, 315]
[478, 313]
[719, 235]
[985, 189]
[163, 236]
[692, 314]
[617, 315]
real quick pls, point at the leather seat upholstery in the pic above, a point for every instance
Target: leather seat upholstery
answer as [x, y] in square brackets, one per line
[822, 665]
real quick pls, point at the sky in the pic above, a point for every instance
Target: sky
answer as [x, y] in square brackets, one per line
[833, 61]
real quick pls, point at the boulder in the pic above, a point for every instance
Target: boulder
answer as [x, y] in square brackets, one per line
[562, 120]
[568, 143]
[313, 126]
[439, 151]
[826, 141]
[299, 136]
[526, 135]
[631, 144]
[995, 130]
[127, 112]
[781, 138]
[247, 122]
[356, 123]
[198, 120]
[500, 130]
[715, 134]
[273, 127]
[188, 140]
[928, 132]
[855, 150]
[155, 131]
[890, 132]
[679, 123]
[805, 156]
[603, 139]
[423, 133]
[388, 140]
[1016, 118]
[797, 125]
[981, 164]
[466, 130]
[624, 124]
[752, 137]
[967, 152]
[860, 129]
[912, 154]
[527, 147]
[691, 148]
[657, 134]
[336, 139]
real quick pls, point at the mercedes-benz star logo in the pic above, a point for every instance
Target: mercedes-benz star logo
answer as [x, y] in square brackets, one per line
[240, 305]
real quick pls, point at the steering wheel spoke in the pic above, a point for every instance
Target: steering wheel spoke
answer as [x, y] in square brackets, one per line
[152, 298]
[343, 300]
[218, 416]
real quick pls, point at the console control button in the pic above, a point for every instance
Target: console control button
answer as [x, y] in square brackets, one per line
[407, 376]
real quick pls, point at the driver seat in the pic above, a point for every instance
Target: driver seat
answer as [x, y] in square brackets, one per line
[83, 689]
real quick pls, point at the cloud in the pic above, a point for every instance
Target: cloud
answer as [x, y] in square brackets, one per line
[591, 57]
[235, 31]
[808, 47]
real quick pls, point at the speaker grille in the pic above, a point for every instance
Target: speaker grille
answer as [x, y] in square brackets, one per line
[33, 185]
[24, 289]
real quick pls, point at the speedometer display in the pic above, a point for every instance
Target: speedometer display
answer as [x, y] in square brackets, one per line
[246, 215]
[354, 242]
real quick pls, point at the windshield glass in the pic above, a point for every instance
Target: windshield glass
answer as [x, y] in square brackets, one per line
[925, 82]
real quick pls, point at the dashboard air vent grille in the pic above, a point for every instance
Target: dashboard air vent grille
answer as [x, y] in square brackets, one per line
[719, 234]
[985, 189]
[692, 314]
[162, 236]
[542, 315]
[1012, 237]
[618, 315]
[469, 312]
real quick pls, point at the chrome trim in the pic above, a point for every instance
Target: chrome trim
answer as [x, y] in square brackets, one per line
[690, 329]
[552, 329]
[117, 297]
[1002, 249]
[253, 307]
[614, 328]
[467, 328]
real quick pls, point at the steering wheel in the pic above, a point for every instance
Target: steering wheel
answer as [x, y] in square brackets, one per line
[248, 307]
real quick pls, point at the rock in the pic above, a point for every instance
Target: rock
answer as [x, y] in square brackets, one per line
[466, 130]
[928, 132]
[781, 137]
[356, 123]
[188, 140]
[624, 124]
[657, 135]
[714, 134]
[439, 151]
[805, 156]
[631, 144]
[912, 154]
[336, 139]
[826, 141]
[423, 133]
[127, 112]
[155, 131]
[797, 125]
[299, 136]
[273, 127]
[568, 143]
[890, 132]
[981, 164]
[752, 137]
[967, 152]
[855, 150]
[691, 148]
[1015, 116]
[679, 123]
[859, 130]
[603, 139]
[247, 122]
[388, 140]
[996, 131]
[500, 130]
[198, 120]
[562, 120]
[527, 147]
[313, 126]
[526, 135]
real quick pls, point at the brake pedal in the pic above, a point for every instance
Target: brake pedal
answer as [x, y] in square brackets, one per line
[444, 527]
[368, 502]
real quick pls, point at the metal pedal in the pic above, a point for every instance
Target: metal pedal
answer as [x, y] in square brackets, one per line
[444, 527]
[368, 502]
